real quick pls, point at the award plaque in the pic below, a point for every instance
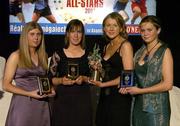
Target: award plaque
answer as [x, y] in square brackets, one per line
[127, 78]
[73, 71]
[44, 85]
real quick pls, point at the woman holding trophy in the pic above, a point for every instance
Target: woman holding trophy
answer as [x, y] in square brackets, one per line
[69, 70]
[118, 55]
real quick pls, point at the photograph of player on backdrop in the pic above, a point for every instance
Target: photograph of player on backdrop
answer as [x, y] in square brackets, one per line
[119, 6]
[42, 9]
[39, 8]
[15, 9]
[139, 9]
[54, 15]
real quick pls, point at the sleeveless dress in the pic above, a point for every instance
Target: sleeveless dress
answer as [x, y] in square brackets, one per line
[151, 109]
[72, 104]
[26, 111]
[113, 108]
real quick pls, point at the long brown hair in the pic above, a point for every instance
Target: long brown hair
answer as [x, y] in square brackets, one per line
[24, 54]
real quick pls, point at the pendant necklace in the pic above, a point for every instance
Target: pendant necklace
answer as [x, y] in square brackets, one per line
[148, 52]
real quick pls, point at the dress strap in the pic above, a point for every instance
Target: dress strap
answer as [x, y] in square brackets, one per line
[161, 50]
[121, 45]
[116, 50]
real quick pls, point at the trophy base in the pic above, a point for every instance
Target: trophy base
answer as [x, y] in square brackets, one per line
[95, 75]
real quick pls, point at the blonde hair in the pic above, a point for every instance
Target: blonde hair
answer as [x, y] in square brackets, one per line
[24, 54]
[120, 21]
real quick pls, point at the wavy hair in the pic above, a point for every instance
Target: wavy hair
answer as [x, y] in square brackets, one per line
[120, 21]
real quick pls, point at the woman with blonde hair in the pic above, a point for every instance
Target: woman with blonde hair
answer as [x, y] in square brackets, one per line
[24, 66]
[117, 56]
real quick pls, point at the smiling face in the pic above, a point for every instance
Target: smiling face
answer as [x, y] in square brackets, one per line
[111, 28]
[34, 38]
[149, 32]
[150, 28]
[75, 36]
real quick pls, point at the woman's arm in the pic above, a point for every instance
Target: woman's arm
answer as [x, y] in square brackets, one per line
[126, 53]
[167, 77]
[10, 69]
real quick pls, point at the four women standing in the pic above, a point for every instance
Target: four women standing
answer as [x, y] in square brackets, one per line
[69, 71]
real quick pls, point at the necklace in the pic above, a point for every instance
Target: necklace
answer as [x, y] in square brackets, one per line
[148, 52]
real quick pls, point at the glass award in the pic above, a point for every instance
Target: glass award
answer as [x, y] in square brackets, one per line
[44, 85]
[127, 78]
[73, 71]
[94, 59]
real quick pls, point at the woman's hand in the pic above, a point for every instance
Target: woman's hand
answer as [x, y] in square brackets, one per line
[79, 80]
[35, 94]
[123, 91]
[67, 81]
[96, 83]
[133, 90]
[95, 65]
[53, 93]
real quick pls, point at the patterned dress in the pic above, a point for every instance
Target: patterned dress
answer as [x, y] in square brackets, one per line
[72, 105]
[151, 109]
[26, 111]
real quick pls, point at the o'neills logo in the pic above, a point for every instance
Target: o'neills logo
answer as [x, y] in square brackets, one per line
[132, 29]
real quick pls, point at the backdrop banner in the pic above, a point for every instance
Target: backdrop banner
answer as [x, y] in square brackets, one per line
[90, 12]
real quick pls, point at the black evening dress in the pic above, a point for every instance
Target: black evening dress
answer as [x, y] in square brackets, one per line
[72, 104]
[113, 108]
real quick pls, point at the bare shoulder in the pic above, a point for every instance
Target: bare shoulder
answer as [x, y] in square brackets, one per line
[14, 57]
[168, 53]
[127, 45]
[126, 50]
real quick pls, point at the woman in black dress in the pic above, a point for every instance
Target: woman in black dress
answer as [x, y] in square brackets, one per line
[113, 107]
[69, 70]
